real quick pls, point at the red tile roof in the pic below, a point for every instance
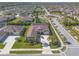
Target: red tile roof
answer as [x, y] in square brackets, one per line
[36, 27]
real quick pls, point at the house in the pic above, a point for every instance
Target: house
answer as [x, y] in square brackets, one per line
[10, 30]
[3, 35]
[6, 18]
[26, 19]
[13, 29]
[2, 19]
[10, 17]
[35, 30]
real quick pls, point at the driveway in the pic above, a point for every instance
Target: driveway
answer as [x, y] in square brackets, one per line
[45, 43]
[9, 43]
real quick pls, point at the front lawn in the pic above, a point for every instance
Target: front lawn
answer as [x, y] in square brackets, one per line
[26, 45]
[57, 51]
[54, 46]
[1, 46]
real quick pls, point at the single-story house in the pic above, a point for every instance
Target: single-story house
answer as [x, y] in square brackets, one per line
[10, 30]
[35, 30]
[13, 29]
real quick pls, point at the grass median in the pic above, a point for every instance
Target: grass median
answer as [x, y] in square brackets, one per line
[26, 45]
[55, 43]
[25, 52]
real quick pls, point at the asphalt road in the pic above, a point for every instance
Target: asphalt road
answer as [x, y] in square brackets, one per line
[64, 32]
[73, 48]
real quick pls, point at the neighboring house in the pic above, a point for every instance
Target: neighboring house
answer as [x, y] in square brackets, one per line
[10, 17]
[10, 30]
[13, 29]
[35, 30]
[6, 18]
[2, 25]
[3, 35]
[26, 19]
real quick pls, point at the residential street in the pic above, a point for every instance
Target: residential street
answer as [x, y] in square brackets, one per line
[64, 32]
[73, 47]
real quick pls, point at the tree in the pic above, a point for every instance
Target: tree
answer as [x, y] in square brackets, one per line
[38, 11]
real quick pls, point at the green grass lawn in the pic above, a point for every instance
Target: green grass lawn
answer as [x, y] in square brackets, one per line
[1, 46]
[54, 46]
[26, 45]
[22, 43]
[16, 20]
[25, 52]
[54, 40]
[57, 51]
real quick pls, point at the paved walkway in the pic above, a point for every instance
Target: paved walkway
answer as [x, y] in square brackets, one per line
[9, 43]
[28, 49]
[45, 43]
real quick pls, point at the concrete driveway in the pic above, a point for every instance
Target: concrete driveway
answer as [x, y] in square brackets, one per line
[45, 43]
[9, 43]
